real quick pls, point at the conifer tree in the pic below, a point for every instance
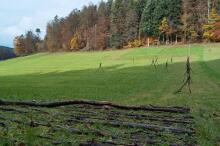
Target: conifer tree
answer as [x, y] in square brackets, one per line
[132, 23]
[118, 19]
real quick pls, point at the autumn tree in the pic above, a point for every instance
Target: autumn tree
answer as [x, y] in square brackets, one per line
[164, 28]
[31, 41]
[76, 42]
[19, 45]
[212, 28]
[53, 37]
[89, 17]
[195, 14]
[103, 26]
[69, 27]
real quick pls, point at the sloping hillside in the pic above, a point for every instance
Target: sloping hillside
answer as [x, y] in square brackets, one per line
[125, 77]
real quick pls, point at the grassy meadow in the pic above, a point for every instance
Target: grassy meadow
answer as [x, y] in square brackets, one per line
[126, 77]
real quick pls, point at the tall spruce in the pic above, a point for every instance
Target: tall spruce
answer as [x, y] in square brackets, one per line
[147, 24]
[131, 24]
[118, 19]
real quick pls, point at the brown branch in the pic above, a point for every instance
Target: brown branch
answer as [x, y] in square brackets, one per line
[95, 103]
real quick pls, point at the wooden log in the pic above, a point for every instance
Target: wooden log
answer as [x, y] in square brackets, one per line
[12, 110]
[95, 103]
[113, 115]
[136, 125]
[105, 143]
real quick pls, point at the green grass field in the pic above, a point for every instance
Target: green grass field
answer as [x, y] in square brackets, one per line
[62, 76]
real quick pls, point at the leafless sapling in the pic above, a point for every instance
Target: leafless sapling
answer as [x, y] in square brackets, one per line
[187, 77]
[156, 61]
[152, 63]
[167, 64]
[100, 65]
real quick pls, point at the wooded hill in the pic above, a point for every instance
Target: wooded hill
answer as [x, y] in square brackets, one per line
[6, 53]
[127, 23]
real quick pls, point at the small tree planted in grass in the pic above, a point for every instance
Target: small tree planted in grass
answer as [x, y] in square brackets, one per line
[187, 79]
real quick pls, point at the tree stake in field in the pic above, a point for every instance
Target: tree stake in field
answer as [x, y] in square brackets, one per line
[167, 64]
[187, 79]
[100, 65]
[152, 63]
[155, 62]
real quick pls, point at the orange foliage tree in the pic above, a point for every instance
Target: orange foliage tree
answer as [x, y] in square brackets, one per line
[212, 29]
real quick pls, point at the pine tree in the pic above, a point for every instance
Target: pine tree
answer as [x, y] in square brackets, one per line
[155, 11]
[174, 13]
[148, 19]
[131, 23]
[118, 19]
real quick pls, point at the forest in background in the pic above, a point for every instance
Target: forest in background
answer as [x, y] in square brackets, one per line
[125, 24]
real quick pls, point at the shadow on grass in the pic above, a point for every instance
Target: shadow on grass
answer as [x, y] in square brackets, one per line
[138, 84]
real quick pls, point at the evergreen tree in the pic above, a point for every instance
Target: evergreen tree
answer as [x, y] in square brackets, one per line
[148, 19]
[118, 19]
[132, 23]
[174, 17]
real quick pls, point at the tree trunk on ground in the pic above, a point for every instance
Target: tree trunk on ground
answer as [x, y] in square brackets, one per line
[95, 103]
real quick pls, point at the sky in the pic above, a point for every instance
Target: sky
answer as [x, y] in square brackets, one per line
[19, 16]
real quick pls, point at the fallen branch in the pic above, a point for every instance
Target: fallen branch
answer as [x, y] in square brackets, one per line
[94, 103]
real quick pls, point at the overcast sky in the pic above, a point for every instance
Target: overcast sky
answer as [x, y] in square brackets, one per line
[19, 16]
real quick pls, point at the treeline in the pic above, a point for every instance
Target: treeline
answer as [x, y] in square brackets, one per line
[127, 23]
